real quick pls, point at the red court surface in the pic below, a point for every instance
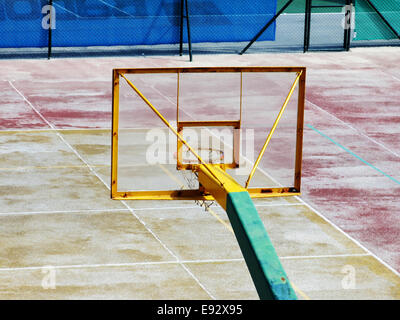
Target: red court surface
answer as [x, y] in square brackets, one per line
[351, 152]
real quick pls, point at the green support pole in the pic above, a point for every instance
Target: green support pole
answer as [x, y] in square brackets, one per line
[262, 261]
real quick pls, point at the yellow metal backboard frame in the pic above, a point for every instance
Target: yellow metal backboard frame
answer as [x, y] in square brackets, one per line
[201, 193]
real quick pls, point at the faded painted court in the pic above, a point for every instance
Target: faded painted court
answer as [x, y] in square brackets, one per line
[62, 237]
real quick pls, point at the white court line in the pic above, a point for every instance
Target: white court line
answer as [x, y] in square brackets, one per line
[51, 130]
[389, 74]
[145, 263]
[21, 130]
[93, 210]
[116, 265]
[106, 185]
[349, 255]
[24, 130]
[354, 129]
[25, 213]
[163, 208]
[394, 77]
[278, 204]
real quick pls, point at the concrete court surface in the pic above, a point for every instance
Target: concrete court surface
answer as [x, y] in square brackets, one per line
[61, 237]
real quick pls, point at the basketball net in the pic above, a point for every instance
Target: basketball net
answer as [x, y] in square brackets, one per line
[209, 155]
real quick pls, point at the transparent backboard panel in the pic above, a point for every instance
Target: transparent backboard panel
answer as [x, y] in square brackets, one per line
[147, 149]
[263, 97]
[146, 146]
[209, 96]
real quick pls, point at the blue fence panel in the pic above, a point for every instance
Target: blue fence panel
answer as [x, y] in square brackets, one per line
[131, 22]
[21, 24]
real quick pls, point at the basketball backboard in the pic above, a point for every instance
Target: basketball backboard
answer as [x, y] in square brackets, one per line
[249, 120]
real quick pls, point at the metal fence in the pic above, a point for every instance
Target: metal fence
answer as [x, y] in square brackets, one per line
[54, 28]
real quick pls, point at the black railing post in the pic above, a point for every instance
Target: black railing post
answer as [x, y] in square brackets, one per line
[188, 30]
[181, 29]
[347, 24]
[49, 45]
[307, 23]
[185, 14]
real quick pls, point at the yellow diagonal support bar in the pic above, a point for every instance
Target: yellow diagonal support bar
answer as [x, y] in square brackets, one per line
[253, 170]
[169, 126]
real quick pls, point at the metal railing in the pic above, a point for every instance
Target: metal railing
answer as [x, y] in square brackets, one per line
[57, 28]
